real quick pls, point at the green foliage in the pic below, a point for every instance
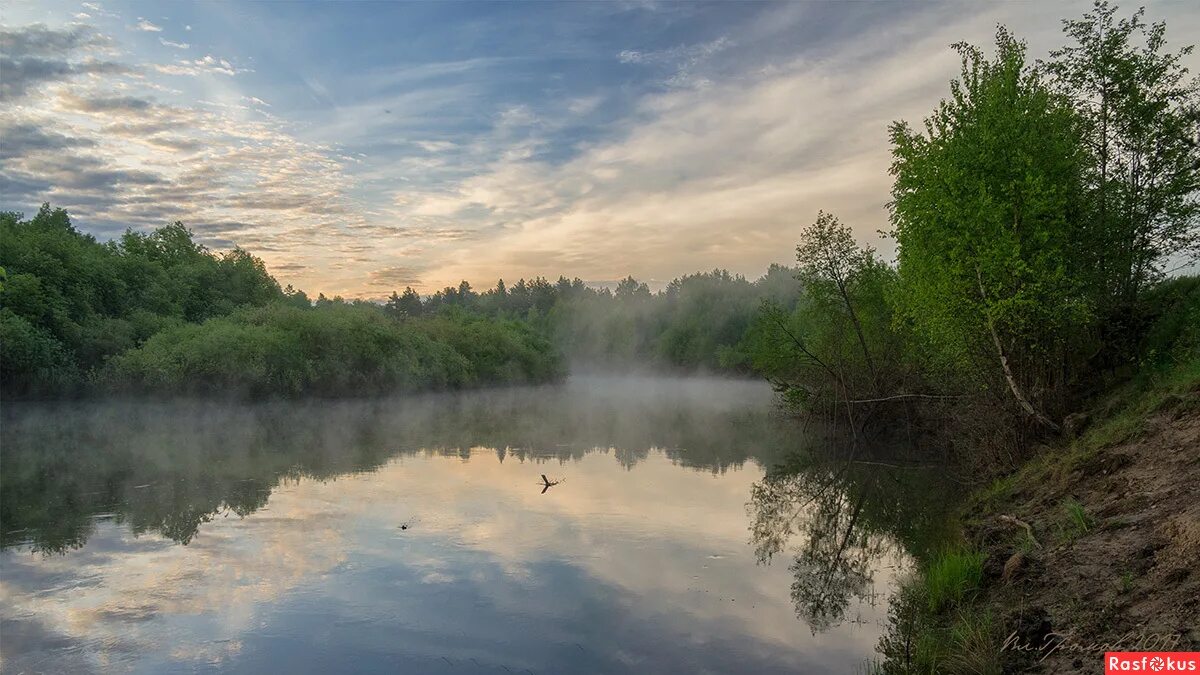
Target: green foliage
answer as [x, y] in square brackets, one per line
[951, 577]
[988, 242]
[975, 644]
[704, 317]
[28, 353]
[158, 312]
[1171, 309]
[1034, 218]
[497, 351]
[1160, 384]
[917, 642]
[1138, 108]
[840, 339]
[699, 321]
[72, 303]
[335, 349]
[934, 628]
[1032, 214]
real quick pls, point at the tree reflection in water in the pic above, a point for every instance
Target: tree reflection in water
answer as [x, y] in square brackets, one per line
[170, 467]
[846, 517]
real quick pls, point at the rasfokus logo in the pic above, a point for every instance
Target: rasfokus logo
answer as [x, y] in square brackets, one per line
[1151, 662]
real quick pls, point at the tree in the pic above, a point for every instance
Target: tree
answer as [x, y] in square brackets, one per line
[408, 304]
[992, 251]
[630, 288]
[831, 264]
[465, 295]
[1139, 113]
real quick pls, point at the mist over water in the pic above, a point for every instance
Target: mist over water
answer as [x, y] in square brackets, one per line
[417, 535]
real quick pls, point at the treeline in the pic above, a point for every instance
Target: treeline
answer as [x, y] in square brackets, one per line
[1036, 214]
[158, 312]
[697, 322]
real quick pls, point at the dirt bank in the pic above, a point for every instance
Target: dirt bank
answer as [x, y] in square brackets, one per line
[1097, 545]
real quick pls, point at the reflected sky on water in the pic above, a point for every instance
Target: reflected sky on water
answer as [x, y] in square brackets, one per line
[187, 536]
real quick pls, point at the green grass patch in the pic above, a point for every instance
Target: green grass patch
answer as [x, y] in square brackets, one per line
[1076, 520]
[998, 491]
[1156, 389]
[952, 577]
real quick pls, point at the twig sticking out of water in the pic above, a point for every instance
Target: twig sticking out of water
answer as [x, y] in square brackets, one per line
[547, 483]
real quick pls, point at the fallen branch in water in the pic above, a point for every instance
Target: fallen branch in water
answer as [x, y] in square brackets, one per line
[892, 465]
[547, 483]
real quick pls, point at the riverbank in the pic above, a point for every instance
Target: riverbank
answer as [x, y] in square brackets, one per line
[1093, 546]
[1090, 546]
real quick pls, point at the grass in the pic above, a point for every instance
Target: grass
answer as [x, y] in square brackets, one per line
[1079, 521]
[1026, 543]
[974, 644]
[952, 577]
[1155, 390]
[1126, 582]
[1000, 490]
[963, 640]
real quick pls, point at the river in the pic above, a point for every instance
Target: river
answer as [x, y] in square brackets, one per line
[418, 535]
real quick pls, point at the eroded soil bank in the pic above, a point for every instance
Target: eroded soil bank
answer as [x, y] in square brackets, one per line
[1096, 545]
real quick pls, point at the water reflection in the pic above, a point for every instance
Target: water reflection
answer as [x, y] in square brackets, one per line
[845, 515]
[169, 467]
[416, 535]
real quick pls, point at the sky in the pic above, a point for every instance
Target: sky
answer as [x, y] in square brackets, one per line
[361, 147]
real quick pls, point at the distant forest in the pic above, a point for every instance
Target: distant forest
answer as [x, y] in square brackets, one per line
[158, 312]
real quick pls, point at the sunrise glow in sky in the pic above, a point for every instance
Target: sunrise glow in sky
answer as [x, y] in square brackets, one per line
[362, 147]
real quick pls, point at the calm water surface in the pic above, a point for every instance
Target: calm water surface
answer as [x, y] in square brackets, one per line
[416, 535]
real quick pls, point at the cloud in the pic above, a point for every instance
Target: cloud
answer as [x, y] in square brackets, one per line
[24, 139]
[584, 105]
[20, 75]
[34, 55]
[177, 45]
[718, 175]
[107, 104]
[394, 277]
[39, 40]
[108, 149]
[436, 146]
[676, 55]
[684, 60]
[146, 26]
[208, 64]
